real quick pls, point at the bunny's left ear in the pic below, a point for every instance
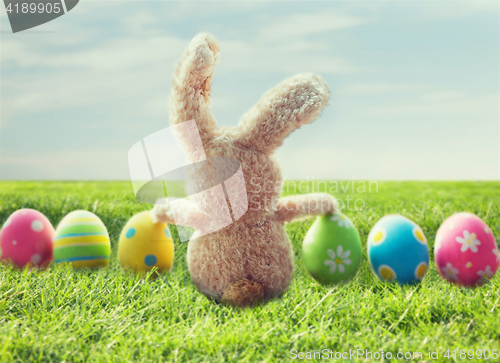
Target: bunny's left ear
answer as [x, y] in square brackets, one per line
[294, 102]
[190, 97]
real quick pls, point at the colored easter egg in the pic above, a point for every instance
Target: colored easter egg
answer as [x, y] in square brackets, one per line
[82, 240]
[27, 239]
[144, 245]
[397, 250]
[465, 250]
[331, 251]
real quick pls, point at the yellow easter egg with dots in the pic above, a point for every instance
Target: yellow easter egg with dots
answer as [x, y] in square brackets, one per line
[144, 245]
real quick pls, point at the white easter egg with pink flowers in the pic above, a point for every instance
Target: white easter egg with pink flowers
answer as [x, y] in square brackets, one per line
[465, 250]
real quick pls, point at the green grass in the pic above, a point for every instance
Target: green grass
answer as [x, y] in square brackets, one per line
[108, 315]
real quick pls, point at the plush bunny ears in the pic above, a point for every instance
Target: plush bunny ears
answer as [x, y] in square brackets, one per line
[294, 102]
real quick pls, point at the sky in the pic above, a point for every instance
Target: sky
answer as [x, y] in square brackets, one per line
[414, 85]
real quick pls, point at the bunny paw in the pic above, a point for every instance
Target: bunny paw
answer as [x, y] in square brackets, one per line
[161, 212]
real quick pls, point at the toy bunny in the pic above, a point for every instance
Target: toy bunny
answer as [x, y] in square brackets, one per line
[250, 260]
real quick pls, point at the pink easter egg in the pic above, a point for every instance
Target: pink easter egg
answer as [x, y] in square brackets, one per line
[465, 250]
[27, 238]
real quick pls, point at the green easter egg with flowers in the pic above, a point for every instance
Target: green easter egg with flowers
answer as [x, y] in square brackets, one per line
[331, 251]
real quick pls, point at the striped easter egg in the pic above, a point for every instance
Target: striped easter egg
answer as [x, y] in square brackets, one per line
[82, 239]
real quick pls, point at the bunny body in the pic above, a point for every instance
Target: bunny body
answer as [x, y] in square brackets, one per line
[251, 259]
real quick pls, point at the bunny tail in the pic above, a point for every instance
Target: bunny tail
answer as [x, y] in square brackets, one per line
[243, 293]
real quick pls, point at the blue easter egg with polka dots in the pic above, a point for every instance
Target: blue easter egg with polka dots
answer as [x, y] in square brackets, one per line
[397, 250]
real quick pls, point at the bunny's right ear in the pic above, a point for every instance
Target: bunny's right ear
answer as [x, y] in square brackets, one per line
[190, 97]
[294, 102]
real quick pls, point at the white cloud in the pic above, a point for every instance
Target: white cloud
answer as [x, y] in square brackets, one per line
[70, 164]
[386, 163]
[380, 87]
[452, 9]
[428, 99]
[290, 58]
[84, 88]
[430, 10]
[443, 95]
[141, 22]
[113, 55]
[300, 25]
[451, 103]
[124, 68]
[157, 105]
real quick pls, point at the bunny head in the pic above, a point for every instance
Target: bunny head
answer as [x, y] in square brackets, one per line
[294, 102]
